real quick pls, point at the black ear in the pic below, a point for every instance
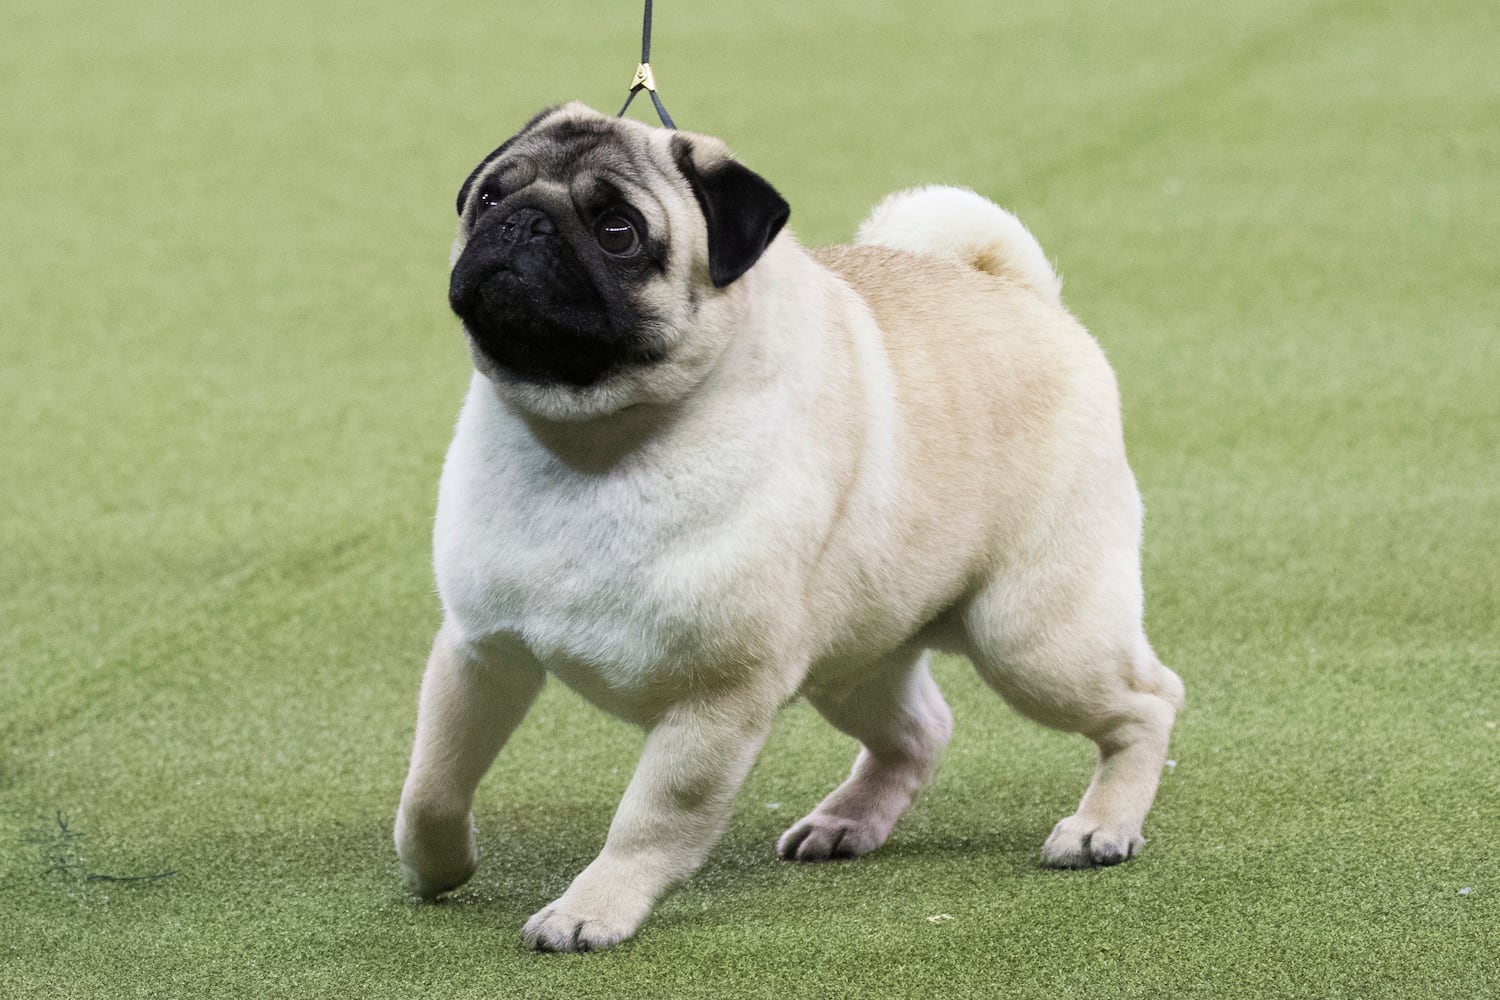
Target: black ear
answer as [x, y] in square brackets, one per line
[744, 213]
[468, 185]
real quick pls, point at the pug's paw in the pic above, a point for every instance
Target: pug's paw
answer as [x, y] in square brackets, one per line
[1079, 842]
[822, 837]
[561, 928]
[437, 853]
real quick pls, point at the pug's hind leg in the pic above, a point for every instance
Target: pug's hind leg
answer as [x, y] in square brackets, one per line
[902, 724]
[1086, 669]
[469, 706]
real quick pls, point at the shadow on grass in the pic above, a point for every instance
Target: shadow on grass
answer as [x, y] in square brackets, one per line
[525, 862]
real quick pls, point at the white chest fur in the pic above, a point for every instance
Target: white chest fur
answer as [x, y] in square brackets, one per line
[627, 569]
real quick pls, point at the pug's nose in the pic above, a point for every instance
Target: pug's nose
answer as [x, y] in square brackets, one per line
[525, 225]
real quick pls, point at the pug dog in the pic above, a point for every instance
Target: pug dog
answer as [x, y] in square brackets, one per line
[701, 470]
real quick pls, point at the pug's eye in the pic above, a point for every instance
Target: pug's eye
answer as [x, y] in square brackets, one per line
[617, 235]
[487, 200]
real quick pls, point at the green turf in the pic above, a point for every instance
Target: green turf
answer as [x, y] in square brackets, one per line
[227, 376]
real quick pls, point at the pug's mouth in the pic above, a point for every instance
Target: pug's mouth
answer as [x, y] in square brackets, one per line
[534, 331]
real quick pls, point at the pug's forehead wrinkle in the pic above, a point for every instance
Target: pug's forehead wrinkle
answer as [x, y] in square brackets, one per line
[516, 171]
[593, 192]
[613, 163]
[573, 147]
[566, 141]
[478, 172]
[598, 191]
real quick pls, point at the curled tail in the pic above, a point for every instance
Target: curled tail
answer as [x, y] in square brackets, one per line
[958, 224]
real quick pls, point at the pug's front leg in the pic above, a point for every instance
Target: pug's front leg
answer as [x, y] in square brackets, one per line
[672, 814]
[471, 701]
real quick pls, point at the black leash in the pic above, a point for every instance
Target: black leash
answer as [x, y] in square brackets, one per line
[644, 80]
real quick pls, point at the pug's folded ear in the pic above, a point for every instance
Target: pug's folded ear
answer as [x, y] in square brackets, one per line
[743, 211]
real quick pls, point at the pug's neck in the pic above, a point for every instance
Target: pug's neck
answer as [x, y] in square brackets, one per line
[766, 370]
[599, 445]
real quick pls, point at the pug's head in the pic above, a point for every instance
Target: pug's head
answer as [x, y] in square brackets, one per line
[596, 259]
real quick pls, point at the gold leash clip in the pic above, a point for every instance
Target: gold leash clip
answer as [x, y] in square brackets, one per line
[643, 78]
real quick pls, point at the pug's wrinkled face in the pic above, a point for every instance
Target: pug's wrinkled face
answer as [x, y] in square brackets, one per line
[587, 250]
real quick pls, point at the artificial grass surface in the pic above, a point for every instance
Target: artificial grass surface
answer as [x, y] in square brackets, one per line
[227, 375]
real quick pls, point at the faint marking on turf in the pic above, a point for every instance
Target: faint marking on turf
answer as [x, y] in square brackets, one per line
[58, 851]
